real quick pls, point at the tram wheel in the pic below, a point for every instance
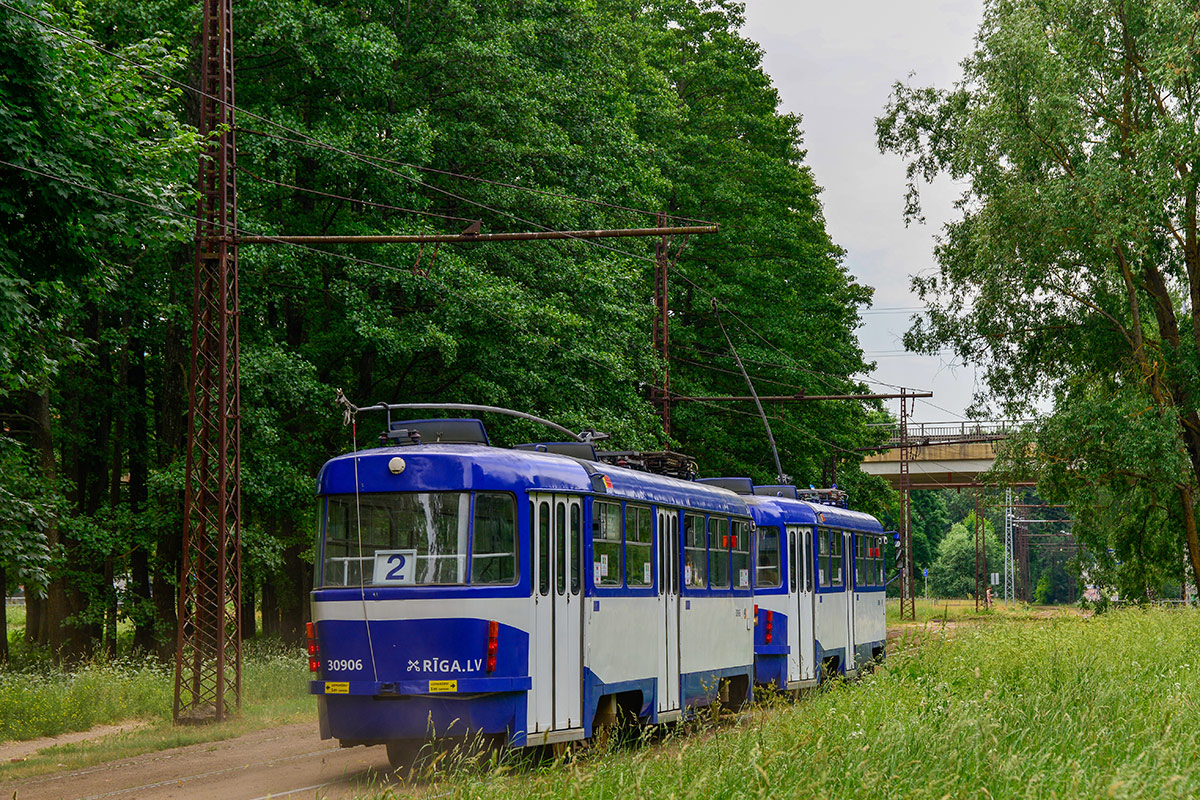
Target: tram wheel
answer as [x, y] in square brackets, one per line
[403, 753]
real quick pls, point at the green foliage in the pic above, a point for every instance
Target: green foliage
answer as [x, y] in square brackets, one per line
[27, 507]
[950, 718]
[71, 111]
[1072, 273]
[430, 116]
[1041, 592]
[953, 571]
[1113, 457]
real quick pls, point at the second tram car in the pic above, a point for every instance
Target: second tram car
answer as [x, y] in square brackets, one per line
[819, 586]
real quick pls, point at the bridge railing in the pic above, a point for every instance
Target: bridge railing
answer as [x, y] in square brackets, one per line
[938, 432]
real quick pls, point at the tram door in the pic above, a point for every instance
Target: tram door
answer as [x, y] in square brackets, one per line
[851, 590]
[667, 530]
[557, 657]
[803, 539]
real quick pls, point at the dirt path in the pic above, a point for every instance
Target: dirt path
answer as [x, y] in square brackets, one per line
[290, 761]
[16, 751]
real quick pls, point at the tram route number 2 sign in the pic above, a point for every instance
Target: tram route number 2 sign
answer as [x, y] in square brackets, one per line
[397, 567]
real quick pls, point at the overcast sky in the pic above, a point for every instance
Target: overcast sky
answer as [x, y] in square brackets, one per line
[834, 64]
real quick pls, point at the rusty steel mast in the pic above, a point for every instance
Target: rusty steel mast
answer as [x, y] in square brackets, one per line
[208, 650]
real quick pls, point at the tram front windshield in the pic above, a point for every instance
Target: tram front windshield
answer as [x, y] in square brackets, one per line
[419, 539]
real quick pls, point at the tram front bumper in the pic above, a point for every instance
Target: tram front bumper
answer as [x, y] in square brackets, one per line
[425, 687]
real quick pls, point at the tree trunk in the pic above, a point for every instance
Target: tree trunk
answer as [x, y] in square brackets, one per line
[139, 495]
[172, 441]
[51, 625]
[249, 623]
[110, 609]
[1189, 528]
[33, 617]
[270, 609]
[4, 616]
[294, 600]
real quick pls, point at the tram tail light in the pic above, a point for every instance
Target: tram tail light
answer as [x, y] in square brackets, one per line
[493, 644]
[770, 626]
[756, 613]
[310, 633]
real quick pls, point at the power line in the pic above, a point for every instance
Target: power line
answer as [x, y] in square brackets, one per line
[380, 162]
[352, 199]
[503, 184]
[758, 378]
[894, 310]
[551, 345]
[796, 367]
[354, 259]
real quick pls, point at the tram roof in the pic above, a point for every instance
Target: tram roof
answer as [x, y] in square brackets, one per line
[769, 510]
[459, 467]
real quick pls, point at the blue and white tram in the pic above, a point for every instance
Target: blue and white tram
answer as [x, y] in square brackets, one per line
[850, 630]
[525, 594]
[819, 586]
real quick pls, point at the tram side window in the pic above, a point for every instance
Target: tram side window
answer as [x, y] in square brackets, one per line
[543, 534]
[807, 534]
[638, 522]
[823, 571]
[606, 544]
[560, 549]
[791, 560]
[865, 547]
[718, 554]
[494, 542]
[576, 547]
[767, 567]
[859, 557]
[432, 527]
[835, 558]
[695, 556]
[739, 546]
[876, 557]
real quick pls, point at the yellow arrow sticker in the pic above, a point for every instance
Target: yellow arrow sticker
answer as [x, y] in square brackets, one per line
[443, 686]
[337, 687]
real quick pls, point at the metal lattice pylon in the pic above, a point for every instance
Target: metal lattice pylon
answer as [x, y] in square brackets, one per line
[908, 600]
[1010, 571]
[208, 656]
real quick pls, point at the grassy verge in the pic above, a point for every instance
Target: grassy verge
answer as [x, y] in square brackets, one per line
[38, 699]
[1068, 707]
[936, 609]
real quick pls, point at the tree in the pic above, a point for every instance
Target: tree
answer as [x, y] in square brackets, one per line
[76, 291]
[1074, 271]
[544, 114]
[953, 571]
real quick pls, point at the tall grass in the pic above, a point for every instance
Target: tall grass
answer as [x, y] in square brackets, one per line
[39, 699]
[1061, 708]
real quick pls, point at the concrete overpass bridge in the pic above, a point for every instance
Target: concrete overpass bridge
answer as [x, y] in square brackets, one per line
[942, 455]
